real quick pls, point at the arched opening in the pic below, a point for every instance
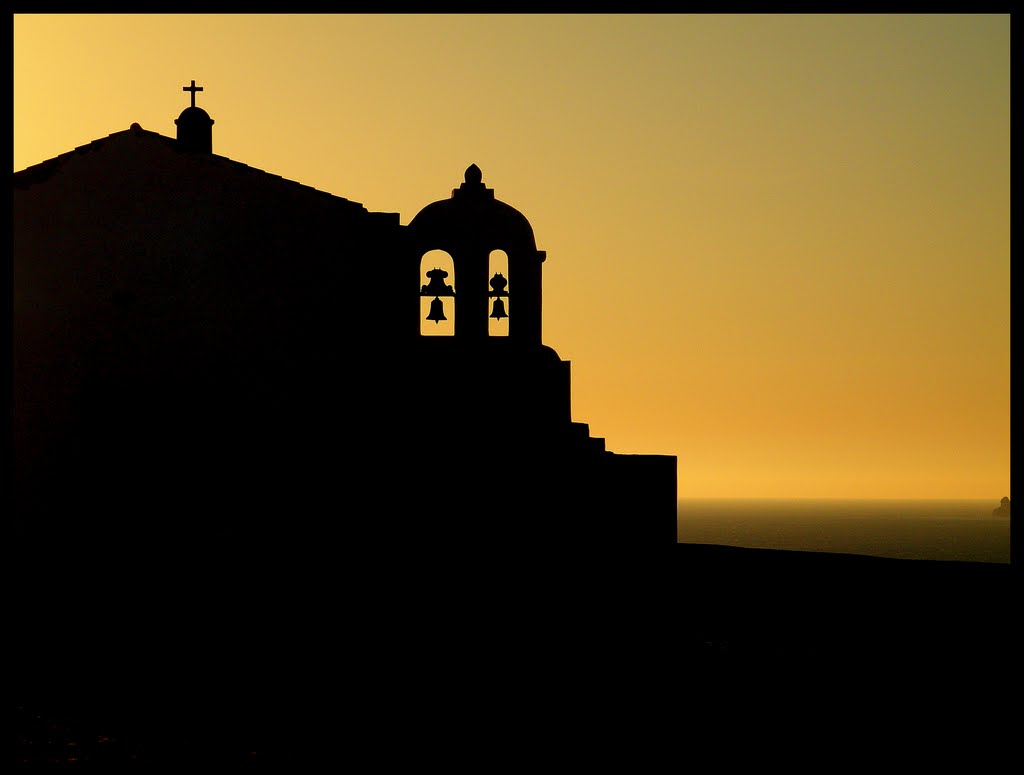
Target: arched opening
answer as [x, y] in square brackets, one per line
[498, 293]
[437, 300]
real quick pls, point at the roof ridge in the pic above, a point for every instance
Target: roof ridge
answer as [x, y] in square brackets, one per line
[39, 172]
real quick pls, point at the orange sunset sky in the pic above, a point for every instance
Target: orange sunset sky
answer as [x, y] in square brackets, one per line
[778, 246]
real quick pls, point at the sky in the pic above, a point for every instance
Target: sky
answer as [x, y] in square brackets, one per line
[778, 246]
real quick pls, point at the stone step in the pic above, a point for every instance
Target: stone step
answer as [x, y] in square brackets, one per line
[581, 433]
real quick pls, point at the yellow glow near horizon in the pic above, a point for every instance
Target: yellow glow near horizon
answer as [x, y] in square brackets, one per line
[778, 246]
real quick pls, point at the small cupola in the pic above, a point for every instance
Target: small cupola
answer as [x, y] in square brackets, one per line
[194, 125]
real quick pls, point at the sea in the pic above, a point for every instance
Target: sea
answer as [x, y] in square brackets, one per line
[962, 530]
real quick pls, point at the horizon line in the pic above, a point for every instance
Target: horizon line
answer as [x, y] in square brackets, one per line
[835, 498]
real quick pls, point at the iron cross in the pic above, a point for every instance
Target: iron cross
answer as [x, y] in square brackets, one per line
[193, 88]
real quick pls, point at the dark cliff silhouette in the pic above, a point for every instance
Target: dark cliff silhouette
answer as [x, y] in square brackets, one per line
[1003, 510]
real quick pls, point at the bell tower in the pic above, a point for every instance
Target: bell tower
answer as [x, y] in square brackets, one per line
[469, 227]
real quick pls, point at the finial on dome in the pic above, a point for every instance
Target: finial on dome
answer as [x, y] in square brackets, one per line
[473, 187]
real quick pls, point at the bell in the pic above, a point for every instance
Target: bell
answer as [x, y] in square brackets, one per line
[436, 311]
[498, 310]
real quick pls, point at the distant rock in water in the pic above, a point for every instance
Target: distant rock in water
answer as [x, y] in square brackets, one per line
[1004, 508]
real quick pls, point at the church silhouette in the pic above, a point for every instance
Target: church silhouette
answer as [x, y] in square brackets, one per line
[207, 352]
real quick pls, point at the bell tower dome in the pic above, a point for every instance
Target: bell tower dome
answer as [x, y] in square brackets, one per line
[195, 131]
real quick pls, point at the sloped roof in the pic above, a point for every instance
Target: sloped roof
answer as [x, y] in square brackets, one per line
[38, 173]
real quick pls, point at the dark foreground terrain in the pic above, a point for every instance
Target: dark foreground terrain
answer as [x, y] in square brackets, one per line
[759, 603]
[260, 657]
